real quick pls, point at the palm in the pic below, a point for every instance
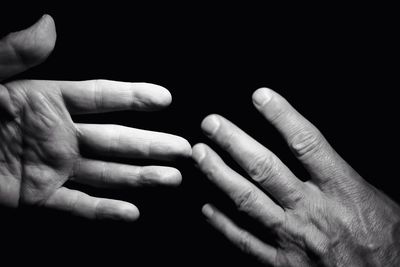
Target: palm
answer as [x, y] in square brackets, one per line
[39, 144]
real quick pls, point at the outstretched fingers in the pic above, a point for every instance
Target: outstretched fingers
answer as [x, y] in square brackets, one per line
[260, 163]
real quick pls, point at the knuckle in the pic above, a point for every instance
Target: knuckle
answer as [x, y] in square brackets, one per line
[76, 169]
[296, 196]
[98, 94]
[97, 210]
[246, 200]
[73, 201]
[228, 140]
[104, 176]
[114, 138]
[279, 111]
[306, 143]
[318, 242]
[146, 176]
[261, 168]
[244, 241]
[210, 169]
[277, 224]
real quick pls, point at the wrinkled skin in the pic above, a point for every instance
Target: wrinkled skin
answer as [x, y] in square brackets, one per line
[40, 145]
[334, 219]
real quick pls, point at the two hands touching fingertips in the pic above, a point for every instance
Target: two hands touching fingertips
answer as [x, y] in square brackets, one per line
[331, 218]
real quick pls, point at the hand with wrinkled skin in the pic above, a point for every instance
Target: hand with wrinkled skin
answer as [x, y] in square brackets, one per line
[334, 219]
[40, 145]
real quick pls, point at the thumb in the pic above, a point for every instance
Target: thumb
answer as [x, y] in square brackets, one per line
[22, 50]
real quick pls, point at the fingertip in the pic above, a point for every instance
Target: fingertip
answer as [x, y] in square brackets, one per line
[47, 17]
[129, 212]
[48, 34]
[160, 175]
[210, 124]
[151, 97]
[44, 34]
[118, 210]
[37, 42]
[207, 210]
[46, 21]
[164, 98]
[179, 147]
[172, 177]
[262, 96]
[199, 152]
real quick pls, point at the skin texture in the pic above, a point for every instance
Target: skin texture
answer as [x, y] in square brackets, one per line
[40, 145]
[333, 219]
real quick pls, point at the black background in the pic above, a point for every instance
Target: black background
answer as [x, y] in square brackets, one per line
[335, 64]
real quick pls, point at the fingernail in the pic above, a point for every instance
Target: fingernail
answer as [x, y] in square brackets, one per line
[207, 210]
[262, 96]
[198, 153]
[210, 125]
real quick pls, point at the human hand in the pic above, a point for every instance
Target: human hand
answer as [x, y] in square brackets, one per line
[335, 218]
[40, 145]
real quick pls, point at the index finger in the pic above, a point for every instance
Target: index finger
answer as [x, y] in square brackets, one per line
[97, 96]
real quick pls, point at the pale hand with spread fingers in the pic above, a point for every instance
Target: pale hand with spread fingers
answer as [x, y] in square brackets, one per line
[335, 218]
[40, 145]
